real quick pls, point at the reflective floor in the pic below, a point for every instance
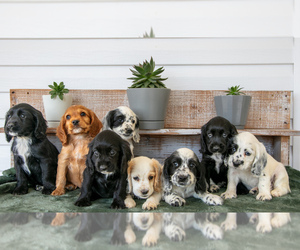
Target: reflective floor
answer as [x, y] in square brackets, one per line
[156, 230]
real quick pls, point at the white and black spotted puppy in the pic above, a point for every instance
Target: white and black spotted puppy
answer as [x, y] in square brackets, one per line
[184, 177]
[124, 122]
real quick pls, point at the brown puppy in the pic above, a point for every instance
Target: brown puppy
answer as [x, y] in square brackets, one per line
[78, 126]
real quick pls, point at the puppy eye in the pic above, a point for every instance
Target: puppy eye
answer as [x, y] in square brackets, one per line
[112, 152]
[209, 135]
[120, 119]
[136, 178]
[247, 153]
[150, 177]
[133, 122]
[96, 153]
[192, 165]
[68, 117]
[22, 116]
[224, 135]
[83, 114]
[175, 164]
[233, 150]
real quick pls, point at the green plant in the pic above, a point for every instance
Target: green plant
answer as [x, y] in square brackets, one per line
[235, 90]
[151, 35]
[146, 77]
[58, 90]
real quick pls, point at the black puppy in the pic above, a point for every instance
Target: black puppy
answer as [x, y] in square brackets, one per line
[105, 175]
[216, 136]
[35, 157]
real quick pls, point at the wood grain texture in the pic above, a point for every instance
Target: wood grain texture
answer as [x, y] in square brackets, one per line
[187, 109]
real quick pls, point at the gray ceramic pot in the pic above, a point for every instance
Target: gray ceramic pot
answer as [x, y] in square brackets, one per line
[234, 108]
[150, 105]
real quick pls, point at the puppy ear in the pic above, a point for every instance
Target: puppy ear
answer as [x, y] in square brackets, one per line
[96, 125]
[166, 175]
[233, 130]
[89, 163]
[136, 132]
[61, 132]
[7, 135]
[108, 120]
[201, 184]
[129, 170]
[260, 160]
[203, 148]
[157, 178]
[40, 125]
[125, 156]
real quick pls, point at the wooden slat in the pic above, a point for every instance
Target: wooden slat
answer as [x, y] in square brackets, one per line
[188, 109]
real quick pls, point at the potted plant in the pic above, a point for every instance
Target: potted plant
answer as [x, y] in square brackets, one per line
[148, 96]
[234, 106]
[56, 103]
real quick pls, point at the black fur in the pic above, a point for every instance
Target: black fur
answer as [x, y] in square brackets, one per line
[216, 136]
[24, 121]
[108, 153]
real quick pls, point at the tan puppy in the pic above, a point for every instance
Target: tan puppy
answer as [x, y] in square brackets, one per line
[250, 164]
[144, 182]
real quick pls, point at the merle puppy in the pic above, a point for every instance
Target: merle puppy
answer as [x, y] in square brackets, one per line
[105, 175]
[216, 137]
[35, 157]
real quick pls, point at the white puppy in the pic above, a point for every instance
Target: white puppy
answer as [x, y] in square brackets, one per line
[144, 182]
[250, 164]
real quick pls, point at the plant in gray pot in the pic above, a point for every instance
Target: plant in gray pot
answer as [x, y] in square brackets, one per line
[148, 96]
[234, 106]
[56, 103]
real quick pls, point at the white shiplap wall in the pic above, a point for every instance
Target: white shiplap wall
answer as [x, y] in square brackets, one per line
[204, 44]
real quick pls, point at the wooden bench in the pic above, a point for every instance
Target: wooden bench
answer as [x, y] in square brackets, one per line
[269, 118]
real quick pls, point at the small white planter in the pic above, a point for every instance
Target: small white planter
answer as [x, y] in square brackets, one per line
[55, 108]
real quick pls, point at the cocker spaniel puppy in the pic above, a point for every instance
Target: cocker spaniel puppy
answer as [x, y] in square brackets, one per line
[250, 163]
[184, 177]
[124, 122]
[106, 173]
[78, 126]
[144, 182]
[216, 135]
[35, 157]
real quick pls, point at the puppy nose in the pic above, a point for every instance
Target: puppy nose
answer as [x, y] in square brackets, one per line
[216, 148]
[145, 220]
[75, 122]
[129, 130]
[10, 125]
[182, 178]
[144, 191]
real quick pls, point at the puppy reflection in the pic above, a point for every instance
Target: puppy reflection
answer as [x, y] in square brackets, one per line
[144, 182]
[265, 221]
[149, 222]
[175, 225]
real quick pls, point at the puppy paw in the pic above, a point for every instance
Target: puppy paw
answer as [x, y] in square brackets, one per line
[174, 233]
[83, 202]
[20, 191]
[129, 203]
[228, 225]
[58, 191]
[83, 236]
[149, 240]
[212, 199]
[228, 195]
[280, 219]
[149, 205]
[263, 228]
[213, 232]
[117, 204]
[177, 201]
[58, 220]
[214, 188]
[130, 236]
[263, 197]
[254, 190]
[47, 191]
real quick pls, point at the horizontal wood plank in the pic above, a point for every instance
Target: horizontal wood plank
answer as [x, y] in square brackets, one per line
[186, 109]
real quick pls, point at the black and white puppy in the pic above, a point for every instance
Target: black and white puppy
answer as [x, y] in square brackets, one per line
[216, 136]
[124, 122]
[35, 157]
[184, 177]
[105, 175]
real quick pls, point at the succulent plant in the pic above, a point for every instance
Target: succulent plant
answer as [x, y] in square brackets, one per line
[235, 90]
[151, 35]
[146, 77]
[58, 90]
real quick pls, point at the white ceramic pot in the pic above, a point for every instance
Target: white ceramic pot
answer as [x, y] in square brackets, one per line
[55, 108]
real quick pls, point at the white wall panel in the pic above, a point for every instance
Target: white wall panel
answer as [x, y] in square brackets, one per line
[203, 18]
